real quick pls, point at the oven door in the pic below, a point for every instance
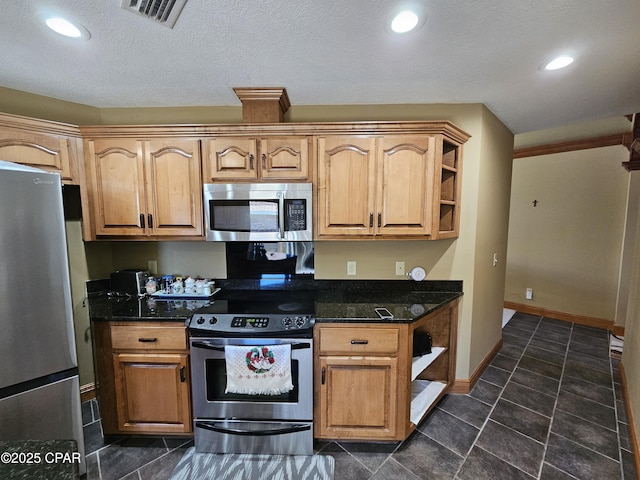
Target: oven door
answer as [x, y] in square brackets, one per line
[255, 437]
[208, 383]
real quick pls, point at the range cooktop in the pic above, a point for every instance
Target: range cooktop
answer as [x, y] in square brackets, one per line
[242, 313]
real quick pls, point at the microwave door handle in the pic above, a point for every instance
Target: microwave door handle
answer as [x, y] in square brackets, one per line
[281, 214]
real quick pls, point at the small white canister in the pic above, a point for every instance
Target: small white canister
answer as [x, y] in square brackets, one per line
[177, 288]
[189, 286]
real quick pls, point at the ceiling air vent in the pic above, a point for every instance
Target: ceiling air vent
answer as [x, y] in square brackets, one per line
[163, 11]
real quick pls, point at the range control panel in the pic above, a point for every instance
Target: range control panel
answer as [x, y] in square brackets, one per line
[245, 324]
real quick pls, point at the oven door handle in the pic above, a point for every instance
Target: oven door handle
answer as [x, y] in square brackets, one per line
[220, 348]
[254, 433]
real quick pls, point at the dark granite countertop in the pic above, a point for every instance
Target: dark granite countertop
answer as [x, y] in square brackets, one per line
[131, 309]
[39, 459]
[360, 308]
[352, 301]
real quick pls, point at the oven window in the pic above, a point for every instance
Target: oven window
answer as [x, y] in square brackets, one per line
[244, 215]
[216, 376]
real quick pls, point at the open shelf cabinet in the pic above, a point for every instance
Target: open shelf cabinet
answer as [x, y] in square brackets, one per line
[369, 387]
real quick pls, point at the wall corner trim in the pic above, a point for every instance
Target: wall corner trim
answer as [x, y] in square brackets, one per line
[464, 386]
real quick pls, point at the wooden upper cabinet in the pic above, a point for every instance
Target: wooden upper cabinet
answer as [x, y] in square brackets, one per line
[346, 185]
[174, 187]
[145, 188]
[284, 158]
[41, 144]
[230, 159]
[405, 185]
[253, 159]
[117, 176]
[375, 186]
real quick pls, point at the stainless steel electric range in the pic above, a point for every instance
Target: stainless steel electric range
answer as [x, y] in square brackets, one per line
[258, 321]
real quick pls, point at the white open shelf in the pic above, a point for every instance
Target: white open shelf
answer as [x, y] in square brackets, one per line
[418, 364]
[423, 394]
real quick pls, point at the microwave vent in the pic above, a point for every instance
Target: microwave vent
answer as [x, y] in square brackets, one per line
[165, 12]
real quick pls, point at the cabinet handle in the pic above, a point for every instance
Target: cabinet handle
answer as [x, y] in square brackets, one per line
[370, 219]
[264, 160]
[142, 220]
[359, 342]
[150, 220]
[379, 219]
[251, 161]
[182, 377]
[147, 340]
[323, 375]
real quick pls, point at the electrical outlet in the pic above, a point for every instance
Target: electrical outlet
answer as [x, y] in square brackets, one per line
[351, 267]
[152, 266]
[399, 268]
[529, 293]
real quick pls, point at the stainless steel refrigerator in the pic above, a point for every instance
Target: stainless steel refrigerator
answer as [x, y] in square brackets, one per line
[39, 386]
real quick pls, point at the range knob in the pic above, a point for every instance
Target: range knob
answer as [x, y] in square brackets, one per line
[213, 320]
[200, 320]
[287, 322]
[301, 321]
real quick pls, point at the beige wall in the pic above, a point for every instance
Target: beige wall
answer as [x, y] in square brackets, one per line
[580, 248]
[631, 352]
[46, 108]
[86, 261]
[568, 248]
[494, 174]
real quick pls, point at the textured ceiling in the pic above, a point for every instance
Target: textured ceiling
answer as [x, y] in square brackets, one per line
[337, 52]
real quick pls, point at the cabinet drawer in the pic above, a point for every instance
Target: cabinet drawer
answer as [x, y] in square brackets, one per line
[358, 340]
[144, 337]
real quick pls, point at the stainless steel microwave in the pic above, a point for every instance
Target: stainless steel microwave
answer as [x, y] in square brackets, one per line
[258, 212]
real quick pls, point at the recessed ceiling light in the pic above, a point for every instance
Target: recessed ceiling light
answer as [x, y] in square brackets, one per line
[404, 21]
[65, 27]
[559, 62]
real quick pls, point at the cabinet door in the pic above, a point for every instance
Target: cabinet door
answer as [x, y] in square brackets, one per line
[346, 186]
[152, 392]
[284, 158]
[358, 397]
[37, 150]
[117, 177]
[405, 185]
[173, 186]
[230, 159]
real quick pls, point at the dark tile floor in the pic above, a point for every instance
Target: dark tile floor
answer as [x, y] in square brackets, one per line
[549, 407]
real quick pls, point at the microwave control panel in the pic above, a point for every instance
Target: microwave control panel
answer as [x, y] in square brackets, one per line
[296, 215]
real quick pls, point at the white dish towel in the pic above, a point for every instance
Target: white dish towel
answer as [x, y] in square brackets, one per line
[258, 370]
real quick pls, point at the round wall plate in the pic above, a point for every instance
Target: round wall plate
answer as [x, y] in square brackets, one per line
[417, 274]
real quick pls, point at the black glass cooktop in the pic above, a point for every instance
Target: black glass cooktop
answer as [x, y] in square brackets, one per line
[243, 302]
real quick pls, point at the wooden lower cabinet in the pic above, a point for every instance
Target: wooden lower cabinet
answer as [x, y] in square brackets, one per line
[360, 398]
[152, 392]
[367, 383]
[143, 377]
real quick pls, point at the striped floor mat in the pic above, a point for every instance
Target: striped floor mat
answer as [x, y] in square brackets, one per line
[212, 466]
